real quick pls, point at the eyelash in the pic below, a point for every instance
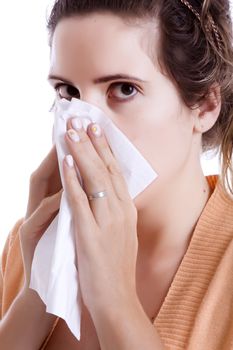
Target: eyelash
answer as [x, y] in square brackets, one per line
[121, 100]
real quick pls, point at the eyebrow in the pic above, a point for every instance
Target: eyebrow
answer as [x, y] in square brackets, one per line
[100, 80]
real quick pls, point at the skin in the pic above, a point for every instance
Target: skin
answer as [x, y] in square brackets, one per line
[167, 134]
[43, 206]
[160, 221]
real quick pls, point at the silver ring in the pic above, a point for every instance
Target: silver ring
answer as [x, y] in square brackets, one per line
[97, 195]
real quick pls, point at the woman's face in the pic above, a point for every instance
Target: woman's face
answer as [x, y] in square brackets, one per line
[146, 105]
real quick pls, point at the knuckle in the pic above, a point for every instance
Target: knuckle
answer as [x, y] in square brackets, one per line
[113, 168]
[100, 169]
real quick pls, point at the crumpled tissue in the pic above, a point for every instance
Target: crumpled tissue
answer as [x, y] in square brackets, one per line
[54, 273]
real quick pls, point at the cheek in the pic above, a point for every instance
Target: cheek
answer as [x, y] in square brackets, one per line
[164, 136]
[166, 146]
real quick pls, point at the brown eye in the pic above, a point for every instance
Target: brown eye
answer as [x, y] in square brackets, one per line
[67, 91]
[127, 89]
[123, 91]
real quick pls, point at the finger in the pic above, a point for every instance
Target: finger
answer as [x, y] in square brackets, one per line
[93, 172]
[104, 151]
[77, 198]
[87, 159]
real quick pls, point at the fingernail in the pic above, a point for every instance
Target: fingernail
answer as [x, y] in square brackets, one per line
[70, 161]
[96, 130]
[76, 123]
[73, 135]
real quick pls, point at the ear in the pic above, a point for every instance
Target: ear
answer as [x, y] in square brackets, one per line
[208, 110]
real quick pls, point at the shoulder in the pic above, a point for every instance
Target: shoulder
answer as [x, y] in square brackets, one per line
[220, 204]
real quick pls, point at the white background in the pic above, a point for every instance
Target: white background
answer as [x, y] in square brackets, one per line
[25, 99]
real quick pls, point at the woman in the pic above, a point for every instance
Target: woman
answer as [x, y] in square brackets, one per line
[157, 272]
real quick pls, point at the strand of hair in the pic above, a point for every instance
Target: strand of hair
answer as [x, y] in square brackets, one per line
[210, 25]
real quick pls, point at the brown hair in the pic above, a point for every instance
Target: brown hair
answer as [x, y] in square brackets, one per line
[195, 49]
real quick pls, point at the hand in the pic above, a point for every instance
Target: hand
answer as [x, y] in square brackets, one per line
[105, 228]
[45, 181]
[43, 205]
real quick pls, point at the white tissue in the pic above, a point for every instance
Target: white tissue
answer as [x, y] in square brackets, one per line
[54, 274]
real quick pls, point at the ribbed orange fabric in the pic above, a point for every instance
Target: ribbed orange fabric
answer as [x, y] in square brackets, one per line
[197, 313]
[12, 275]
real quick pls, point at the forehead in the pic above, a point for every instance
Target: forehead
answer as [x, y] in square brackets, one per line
[102, 39]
